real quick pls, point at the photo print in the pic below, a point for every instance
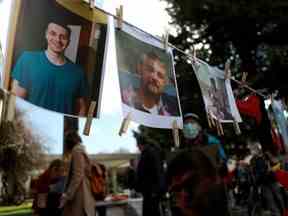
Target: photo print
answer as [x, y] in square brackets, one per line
[216, 92]
[147, 78]
[57, 60]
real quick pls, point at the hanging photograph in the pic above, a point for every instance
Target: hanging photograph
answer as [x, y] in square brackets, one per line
[58, 55]
[147, 79]
[216, 92]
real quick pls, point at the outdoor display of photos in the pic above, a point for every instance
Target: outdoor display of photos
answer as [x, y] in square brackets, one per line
[216, 92]
[145, 66]
[66, 85]
[147, 79]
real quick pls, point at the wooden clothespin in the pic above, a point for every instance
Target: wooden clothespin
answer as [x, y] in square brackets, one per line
[212, 120]
[244, 77]
[209, 120]
[10, 108]
[92, 4]
[194, 55]
[119, 15]
[90, 115]
[125, 124]
[175, 134]
[271, 98]
[166, 40]
[227, 70]
[2, 104]
[218, 127]
[236, 127]
[221, 128]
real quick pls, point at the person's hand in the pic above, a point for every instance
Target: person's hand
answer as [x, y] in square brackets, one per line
[63, 200]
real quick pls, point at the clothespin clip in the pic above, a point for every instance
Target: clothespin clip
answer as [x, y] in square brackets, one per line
[227, 70]
[218, 127]
[244, 77]
[9, 107]
[213, 123]
[119, 15]
[236, 127]
[92, 4]
[2, 104]
[90, 115]
[166, 40]
[125, 124]
[221, 128]
[175, 134]
[209, 120]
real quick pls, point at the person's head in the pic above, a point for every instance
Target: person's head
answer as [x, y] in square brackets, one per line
[58, 37]
[72, 139]
[194, 186]
[56, 168]
[191, 126]
[153, 73]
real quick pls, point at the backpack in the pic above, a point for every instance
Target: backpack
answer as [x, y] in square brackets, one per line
[98, 181]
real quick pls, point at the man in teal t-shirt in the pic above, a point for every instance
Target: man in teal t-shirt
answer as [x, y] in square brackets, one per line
[48, 79]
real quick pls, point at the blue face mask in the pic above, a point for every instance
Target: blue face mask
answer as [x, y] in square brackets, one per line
[191, 130]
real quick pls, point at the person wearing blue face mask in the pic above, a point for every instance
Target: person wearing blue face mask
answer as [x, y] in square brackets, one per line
[195, 136]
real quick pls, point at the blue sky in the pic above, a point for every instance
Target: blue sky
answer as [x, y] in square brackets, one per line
[103, 136]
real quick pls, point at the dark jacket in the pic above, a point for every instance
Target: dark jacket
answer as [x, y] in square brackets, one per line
[150, 175]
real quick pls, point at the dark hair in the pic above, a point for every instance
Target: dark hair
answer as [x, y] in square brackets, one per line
[62, 24]
[57, 163]
[206, 193]
[71, 139]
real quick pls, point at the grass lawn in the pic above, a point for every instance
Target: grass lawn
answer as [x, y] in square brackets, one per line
[21, 210]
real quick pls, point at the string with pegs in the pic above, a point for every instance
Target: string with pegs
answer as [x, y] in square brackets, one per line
[89, 119]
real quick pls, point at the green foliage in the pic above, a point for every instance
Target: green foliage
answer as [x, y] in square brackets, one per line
[239, 30]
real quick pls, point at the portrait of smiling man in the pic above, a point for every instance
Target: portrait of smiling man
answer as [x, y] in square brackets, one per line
[150, 96]
[48, 79]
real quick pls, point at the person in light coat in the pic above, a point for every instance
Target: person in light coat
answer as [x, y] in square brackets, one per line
[77, 199]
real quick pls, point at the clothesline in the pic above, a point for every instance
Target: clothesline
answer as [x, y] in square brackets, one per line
[181, 51]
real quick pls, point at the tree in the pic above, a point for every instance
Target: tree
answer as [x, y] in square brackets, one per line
[251, 33]
[20, 153]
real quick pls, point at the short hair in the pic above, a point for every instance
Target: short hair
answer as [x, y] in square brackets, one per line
[62, 24]
[57, 163]
[71, 139]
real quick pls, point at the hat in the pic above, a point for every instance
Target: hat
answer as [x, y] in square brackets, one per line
[191, 115]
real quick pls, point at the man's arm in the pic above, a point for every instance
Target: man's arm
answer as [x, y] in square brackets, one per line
[18, 90]
[81, 103]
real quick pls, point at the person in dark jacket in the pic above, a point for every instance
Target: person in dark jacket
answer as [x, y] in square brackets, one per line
[194, 185]
[149, 177]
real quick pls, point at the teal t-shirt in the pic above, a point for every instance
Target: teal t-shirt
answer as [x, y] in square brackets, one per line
[50, 86]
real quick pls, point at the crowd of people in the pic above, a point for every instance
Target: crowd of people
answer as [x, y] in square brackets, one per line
[195, 180]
